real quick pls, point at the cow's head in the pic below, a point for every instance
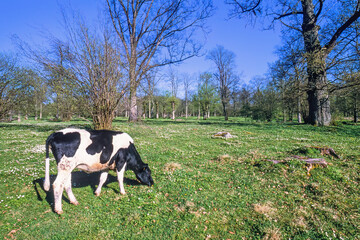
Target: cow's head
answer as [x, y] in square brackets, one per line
[144, 175]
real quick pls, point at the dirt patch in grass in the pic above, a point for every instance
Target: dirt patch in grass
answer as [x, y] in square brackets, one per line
[265, 209]
[171, 167]
[272, 234]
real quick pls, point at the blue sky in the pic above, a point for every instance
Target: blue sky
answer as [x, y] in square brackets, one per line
[253, 47]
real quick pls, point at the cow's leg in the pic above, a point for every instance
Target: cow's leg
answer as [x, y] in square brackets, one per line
[65, 167]
[120, 177]
[103, 177]
[58, 187]
[69, 191]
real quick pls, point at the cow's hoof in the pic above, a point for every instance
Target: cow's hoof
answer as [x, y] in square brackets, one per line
[97, 194]
[75, 203]
[123, 193]
[59, 212]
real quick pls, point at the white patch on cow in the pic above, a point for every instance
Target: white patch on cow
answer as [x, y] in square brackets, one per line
[47, 174]
[119, 141]
[103, 178]
[70, 130]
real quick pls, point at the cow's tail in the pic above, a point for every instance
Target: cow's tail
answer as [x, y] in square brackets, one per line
[47, 163]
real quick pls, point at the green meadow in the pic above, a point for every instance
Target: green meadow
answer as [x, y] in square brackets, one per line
[205, 187]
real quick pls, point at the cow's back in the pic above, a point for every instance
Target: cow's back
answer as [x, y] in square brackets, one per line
[93, 149]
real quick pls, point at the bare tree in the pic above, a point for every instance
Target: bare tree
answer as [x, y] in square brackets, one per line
[90, 62]
[187, 81]
[174, 82]
[156, 33]
[206, 95]
[289, 74]
[149, 87]
[8, 84]
[311, 18]
[225, 62]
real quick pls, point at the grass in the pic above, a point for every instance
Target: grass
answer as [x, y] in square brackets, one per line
[205, 188]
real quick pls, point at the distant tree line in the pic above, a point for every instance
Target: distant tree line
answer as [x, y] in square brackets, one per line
[279, 96]
[119, 68]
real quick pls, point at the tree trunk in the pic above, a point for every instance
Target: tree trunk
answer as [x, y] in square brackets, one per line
[225, 110]
[41, 111]
[318, 98]
[36, 117]
[199, 112]
[355, 108]
[299, 102]
[133, 114]
[149, 108]
[103, 116]
[284, 114]
[157, 109]
[173, 110]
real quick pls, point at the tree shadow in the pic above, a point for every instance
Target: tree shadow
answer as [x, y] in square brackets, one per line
[79, 179]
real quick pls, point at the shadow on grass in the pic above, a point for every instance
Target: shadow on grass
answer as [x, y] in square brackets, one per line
[78, 179]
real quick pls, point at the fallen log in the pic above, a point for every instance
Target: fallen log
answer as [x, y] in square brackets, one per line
[326, 151]
[311, 162]
[319, 161]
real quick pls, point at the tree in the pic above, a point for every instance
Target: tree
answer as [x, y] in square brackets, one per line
[264, 100]
[89, 64]
[187, 81]
[148, 29]
[149, 87]
[245, 98]
[10, 85]
[206, 94]
[225, 62]
[312, 19]
[288, 75]
[33, 93]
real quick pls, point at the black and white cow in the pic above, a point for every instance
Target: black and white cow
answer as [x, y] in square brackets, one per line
[92, 151]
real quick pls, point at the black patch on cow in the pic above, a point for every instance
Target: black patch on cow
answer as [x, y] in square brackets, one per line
[64, 144]
[133, 161]
[127, 155]
[101, 142]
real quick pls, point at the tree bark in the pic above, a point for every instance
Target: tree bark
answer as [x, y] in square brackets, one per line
[133, 114]
[225, 112]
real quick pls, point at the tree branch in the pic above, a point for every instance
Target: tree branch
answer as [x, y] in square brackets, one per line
[332, 43]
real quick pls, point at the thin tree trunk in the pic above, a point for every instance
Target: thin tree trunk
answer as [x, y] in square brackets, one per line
[299, 109]
[41, 111]
[149, 108]
[173, 110]
[355, 108]
[199, 112]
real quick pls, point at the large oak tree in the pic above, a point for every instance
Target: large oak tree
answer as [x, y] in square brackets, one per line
[322, 25]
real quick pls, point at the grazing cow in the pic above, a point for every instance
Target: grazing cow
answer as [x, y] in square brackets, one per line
[92, 151]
